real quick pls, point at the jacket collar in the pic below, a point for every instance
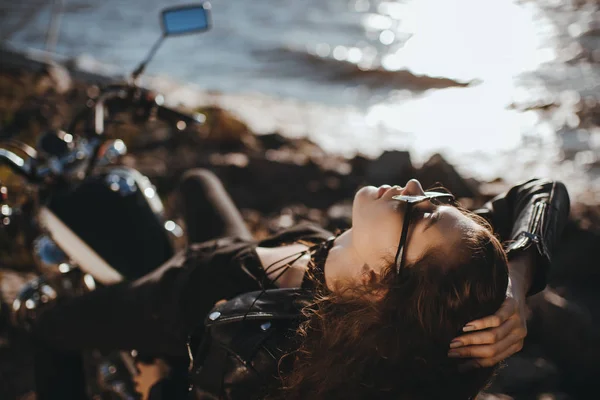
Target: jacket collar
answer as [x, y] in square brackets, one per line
[259, 305]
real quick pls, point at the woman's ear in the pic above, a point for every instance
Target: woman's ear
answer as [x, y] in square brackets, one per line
[367, 274]
[370, 278]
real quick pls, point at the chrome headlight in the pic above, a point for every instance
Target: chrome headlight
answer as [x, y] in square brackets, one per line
[31, 300]
[38, 294]
[49, 257]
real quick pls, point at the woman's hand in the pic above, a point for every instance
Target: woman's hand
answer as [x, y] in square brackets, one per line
[498, 336]
[494, 338]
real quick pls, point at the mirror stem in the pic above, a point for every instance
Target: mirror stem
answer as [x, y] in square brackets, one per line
[140, 69]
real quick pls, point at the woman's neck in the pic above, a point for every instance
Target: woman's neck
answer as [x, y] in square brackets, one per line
[343, 265]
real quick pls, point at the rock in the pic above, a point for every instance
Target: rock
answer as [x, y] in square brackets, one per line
[392, 167]
[272, 141]
[566, 325]
[236, 159]
[286, 156]
[268, 185]
[340, 215]
[359, 165]
[576, 259]
[438, 171]
[227, 130]
[493, 188]
[316, 153]
[586, 217]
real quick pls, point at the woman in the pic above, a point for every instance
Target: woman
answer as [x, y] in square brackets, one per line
[371, 313]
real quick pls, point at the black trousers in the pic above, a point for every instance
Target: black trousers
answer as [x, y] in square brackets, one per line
[113, 317]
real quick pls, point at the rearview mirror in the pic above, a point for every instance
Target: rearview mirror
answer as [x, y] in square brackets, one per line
[181, 20]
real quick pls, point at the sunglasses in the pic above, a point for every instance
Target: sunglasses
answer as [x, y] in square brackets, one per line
[436, 198]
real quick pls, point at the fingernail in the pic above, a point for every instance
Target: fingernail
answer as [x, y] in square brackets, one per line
[453, 353]
[456, 343]
[469, 328]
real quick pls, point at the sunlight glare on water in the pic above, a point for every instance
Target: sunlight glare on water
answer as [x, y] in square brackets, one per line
[488, 43]
[468, 39]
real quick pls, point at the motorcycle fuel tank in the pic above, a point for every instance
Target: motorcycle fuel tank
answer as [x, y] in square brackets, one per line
[117, 215]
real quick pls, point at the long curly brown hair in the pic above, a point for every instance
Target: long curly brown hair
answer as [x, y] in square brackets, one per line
[395, 346]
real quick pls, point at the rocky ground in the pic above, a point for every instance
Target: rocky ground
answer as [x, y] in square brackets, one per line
[278, 181]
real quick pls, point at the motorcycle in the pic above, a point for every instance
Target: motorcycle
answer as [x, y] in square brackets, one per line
[91, 220]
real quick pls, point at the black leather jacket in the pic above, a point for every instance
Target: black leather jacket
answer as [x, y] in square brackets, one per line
[245, 338]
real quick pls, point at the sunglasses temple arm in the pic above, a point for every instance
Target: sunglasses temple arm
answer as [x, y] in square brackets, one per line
[401, 245]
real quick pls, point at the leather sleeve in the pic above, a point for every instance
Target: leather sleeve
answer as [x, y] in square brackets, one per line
[531, 213]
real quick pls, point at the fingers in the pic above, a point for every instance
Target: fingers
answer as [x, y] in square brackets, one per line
[508, 308]
[490, 362]
[493, 339]
[515, 348]
[490, 352]
[489, 336]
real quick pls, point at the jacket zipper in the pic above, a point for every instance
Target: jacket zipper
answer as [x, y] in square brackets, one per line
[535, 223]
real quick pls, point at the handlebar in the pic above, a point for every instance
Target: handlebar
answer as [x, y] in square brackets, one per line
[110, 92]
[142, 97]
[173, 116]
[19, 165]
[167, 114]
[24, 147]
[34, 171]
[57, 166]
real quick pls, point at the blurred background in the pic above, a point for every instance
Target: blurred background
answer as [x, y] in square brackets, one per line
[489, 84]
[301, 102]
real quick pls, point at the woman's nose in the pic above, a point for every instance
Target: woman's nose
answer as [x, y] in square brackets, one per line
[413, 188]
